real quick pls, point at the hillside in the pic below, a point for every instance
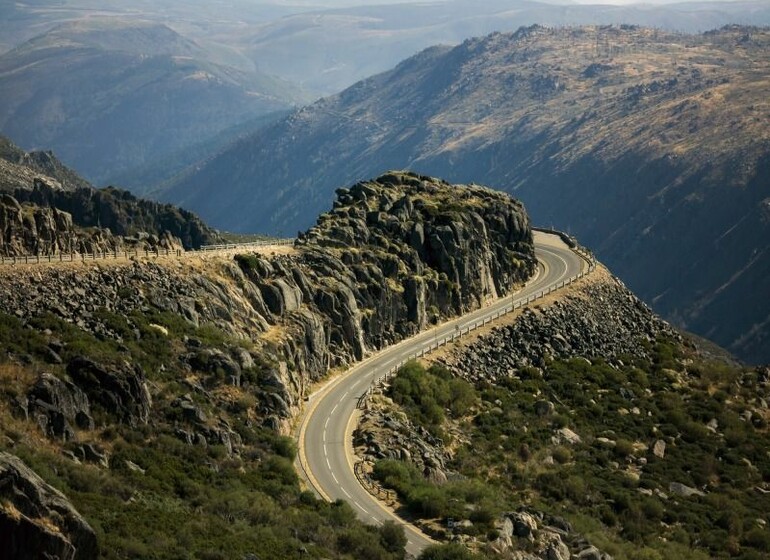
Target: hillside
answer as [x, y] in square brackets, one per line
[144, 404]
[650, 146]
[154, 393]
[19, 169]
[584, 429]
[109, 95]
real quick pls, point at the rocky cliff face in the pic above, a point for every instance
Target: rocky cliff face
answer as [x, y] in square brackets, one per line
[30, 229]
[122, 213]
[47, 209]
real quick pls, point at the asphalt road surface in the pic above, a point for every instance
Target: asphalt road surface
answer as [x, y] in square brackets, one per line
[326, 446]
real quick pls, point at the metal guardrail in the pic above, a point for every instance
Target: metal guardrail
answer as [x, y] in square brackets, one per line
[464, 331]
[374, 488]
[82, 257]
[146, 253]
[265, 243]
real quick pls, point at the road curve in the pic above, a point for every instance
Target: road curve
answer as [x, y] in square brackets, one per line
[325, 436]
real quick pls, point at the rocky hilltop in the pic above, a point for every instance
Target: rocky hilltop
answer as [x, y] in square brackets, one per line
[19, 169]
[648, 145]
[132, 375]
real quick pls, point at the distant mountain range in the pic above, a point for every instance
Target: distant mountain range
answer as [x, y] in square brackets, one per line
[652, 147]
[327, 46]
[133, 93]
[328, 50]
[110, 95]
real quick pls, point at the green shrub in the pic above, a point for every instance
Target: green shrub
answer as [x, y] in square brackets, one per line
[561, 455]
[426, 394]
[447, 552]
[392, 537]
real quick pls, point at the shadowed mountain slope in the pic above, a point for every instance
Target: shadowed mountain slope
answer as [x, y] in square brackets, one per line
[109, 95]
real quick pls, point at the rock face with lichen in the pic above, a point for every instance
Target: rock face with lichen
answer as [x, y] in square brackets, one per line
[47, 209]
[436, 248]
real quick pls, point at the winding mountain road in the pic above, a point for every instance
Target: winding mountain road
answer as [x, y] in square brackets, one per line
[325, 437]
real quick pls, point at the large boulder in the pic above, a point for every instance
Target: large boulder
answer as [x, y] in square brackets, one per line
[121, 391]
[57, 404]
[36, 520]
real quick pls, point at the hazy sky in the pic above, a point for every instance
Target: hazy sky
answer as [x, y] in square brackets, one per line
[345, 3]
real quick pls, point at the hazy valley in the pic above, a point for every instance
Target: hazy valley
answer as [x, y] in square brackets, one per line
[113, 95]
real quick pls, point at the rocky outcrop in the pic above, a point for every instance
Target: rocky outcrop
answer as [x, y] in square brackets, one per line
[48, 209]
[394, 255]
[547, 537]
[602, 320]
[382, 434]
[121, 213]
[31, 229]
[20, 169]
[36, 520]
[60, 406]
[57, 406]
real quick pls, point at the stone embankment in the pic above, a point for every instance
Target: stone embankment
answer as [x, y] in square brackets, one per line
[599, 318]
